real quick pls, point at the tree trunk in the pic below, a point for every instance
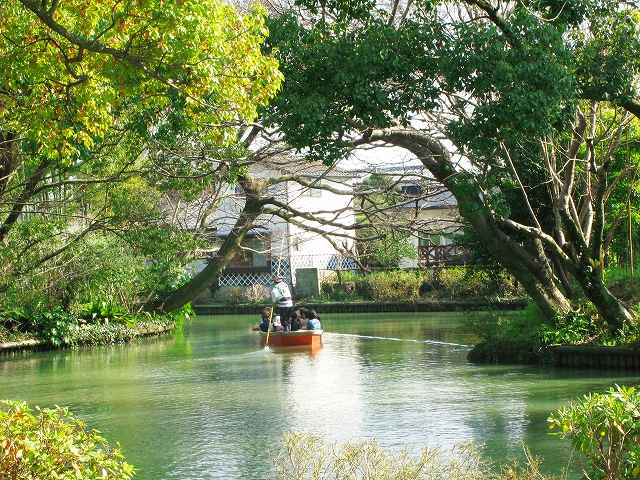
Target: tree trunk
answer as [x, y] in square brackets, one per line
[8, 159]
[613, 312]
[19, 203]
[529, 266]
[210, 275]
[533, 272]
[563, 276]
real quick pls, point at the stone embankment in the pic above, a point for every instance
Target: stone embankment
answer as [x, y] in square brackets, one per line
[373, 307]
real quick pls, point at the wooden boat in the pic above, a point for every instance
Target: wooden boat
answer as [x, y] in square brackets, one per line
[298, 338]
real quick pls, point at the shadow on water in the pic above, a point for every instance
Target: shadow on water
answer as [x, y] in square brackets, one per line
[210, 403]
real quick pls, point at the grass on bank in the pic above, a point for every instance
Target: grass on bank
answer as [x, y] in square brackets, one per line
[308, 457]
[604, 429]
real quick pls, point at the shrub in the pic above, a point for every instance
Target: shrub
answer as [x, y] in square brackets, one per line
[230, 295]
[507, 336]
[307, 457]
[17, 319]
[342, 292]
[405, 285]
[56, 326]
[389, 249]
[100, 311]
[396, 285]
[606, 429]
[464, 281]
[451, 281]
[257, 293]
[580, 325]
[583, 325]
[9, 335]
[51, 443]
[102, 334]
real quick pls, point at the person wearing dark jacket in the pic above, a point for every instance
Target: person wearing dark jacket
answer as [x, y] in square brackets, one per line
[264, 320]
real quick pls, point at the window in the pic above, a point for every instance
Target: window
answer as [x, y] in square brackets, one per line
[411, 190]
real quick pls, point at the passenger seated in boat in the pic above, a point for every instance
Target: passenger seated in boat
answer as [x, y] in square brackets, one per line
[314, 324]
[304, 323]
[300, 318]
[277, 326]
[309, 313]
[264, 320]
[296, 320]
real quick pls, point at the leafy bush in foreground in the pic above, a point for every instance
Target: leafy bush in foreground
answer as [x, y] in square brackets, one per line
[307, 457]
[605, 428]
[51, 443]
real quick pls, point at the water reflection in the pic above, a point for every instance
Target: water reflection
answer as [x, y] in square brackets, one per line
[208, 403]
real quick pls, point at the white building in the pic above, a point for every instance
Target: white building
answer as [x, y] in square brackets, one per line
[315, 229]
[276, 245]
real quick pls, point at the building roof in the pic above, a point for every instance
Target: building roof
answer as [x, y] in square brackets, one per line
[259, 230]
[439, 199]
[294, 165]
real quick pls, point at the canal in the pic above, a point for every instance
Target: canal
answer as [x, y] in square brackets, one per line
[208, 403]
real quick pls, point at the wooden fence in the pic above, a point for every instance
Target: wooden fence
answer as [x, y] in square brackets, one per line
[438, 255]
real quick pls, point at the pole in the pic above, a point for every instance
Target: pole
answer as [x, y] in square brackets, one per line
[266, 343]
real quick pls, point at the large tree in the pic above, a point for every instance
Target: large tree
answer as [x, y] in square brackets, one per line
[476, 90]
[98, 100]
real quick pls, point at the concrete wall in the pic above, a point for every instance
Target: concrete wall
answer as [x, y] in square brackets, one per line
[305, 242]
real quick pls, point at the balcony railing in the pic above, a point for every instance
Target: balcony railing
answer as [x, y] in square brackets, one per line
[437, 255]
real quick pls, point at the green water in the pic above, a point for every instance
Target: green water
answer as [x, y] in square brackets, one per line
[209, 404]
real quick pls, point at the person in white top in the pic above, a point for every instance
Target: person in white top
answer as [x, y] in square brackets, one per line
[281, 296]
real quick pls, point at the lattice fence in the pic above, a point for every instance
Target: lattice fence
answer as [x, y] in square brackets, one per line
[286, 267]
[279, 266]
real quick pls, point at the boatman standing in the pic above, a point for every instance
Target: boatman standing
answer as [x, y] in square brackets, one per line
[281, 296]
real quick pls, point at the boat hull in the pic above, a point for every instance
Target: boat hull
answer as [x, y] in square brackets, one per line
[299, 338]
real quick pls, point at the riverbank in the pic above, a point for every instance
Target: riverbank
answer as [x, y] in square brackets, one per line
[94, 335]
[372, 307]
[578, 339]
